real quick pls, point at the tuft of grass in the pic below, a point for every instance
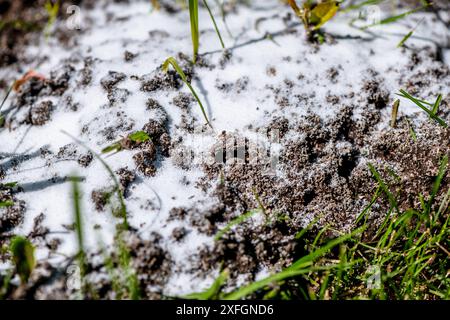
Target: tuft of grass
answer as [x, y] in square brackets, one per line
[22, 252]
[302, 266]
[171, 61]
[432, 113]
[406, 257]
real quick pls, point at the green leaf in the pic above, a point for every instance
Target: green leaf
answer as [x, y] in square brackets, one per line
[9, 184]
[7, 203]
[193, 13]
[394, 18]
[420, 104]
[301, 266]
[139, 137]
[405, 38]
[213, 291]
[172, 62]
[116, 147]
[23, 257]
[383, 186]
[322, 12]
[234, 222]
[436, 104]
[214, 23]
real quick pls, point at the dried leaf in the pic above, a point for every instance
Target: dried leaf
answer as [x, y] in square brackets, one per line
[29, 75]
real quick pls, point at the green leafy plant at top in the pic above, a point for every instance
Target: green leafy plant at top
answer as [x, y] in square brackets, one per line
[431, 110]
[134, 138]
[172, 62]
[314, 15]
[22, 252]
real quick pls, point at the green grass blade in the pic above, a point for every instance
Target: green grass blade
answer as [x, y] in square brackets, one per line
[234, 222]
[437, 182]
[213, 291]
[405, 38]
[193, 13]
[171, 61]
[369, 206]
[308, 259]
[419, 103]
[288, 273]
[76, 196]
[436, 104]
[383, 186]
[360, 5]
[214, 23]
[81, 255]
[394, 18]
[22, 252]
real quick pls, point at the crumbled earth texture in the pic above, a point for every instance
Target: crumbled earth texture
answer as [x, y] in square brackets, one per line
[295, 125]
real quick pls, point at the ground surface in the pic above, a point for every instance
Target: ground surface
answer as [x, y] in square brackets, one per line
[294, 126]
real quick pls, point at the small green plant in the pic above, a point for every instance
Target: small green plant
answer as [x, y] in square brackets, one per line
[314, 15]
[134, 138]
[22, 252]
[172, 62]
[432, 112]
